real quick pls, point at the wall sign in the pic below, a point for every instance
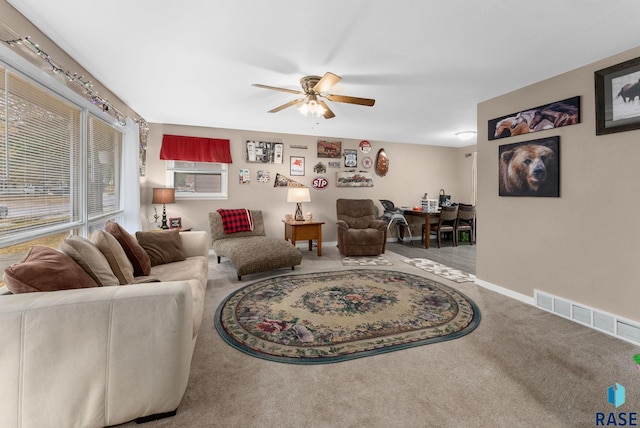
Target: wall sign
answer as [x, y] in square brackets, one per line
[320, 183]
[367, 162]
[350, 158]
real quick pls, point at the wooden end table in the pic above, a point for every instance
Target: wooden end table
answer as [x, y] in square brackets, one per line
[304, 230]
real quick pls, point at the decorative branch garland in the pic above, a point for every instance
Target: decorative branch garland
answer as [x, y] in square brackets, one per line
[80, 80]
[93, 95]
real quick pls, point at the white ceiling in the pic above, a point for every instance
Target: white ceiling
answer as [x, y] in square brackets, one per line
[427, 63]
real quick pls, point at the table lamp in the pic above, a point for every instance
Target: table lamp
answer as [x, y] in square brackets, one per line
[164, 196]
[298, 195]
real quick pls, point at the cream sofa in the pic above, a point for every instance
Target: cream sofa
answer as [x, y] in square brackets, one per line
[94, 357]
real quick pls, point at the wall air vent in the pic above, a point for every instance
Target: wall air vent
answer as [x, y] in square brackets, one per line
[562, 307]
[602, 321]
[628, 331]
[544, 301]
[581, 314]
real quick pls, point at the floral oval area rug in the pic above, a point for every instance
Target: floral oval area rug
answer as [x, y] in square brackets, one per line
[336, 316]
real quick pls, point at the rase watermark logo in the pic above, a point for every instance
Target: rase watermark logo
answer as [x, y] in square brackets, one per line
[616, 397]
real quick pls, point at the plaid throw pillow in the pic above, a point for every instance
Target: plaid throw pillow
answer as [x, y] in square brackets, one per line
[236, 220]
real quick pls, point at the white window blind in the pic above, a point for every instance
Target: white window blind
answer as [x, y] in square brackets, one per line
[39, 160]
[197, 180]
[104, 148]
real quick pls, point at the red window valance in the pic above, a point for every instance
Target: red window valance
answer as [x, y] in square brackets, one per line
[195, 149]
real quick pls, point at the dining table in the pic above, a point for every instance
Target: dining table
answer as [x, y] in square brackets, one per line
[428, 216]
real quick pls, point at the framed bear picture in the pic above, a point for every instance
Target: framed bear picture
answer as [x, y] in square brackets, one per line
[530, 168]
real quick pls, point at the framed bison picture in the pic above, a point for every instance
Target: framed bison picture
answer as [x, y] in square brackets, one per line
[618, 97]
[530, 168]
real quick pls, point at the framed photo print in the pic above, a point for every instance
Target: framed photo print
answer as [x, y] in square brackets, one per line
[329, 149]
[296, 165]
[264, 151]
[618, 97]
[554, 115]
[529, 168]
[175, 223]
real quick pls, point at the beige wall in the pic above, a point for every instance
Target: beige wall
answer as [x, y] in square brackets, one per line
[584, 245]
[413, 170]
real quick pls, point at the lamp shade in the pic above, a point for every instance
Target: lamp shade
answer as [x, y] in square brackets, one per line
[163, 195]
[298, 194]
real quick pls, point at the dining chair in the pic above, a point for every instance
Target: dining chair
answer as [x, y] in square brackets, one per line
[447, 221]
[466, 222]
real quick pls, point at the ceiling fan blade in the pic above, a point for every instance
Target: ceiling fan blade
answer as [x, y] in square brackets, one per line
[328, 114]
[274, 88]
[284, 106]
[351, 100]
[327, 81]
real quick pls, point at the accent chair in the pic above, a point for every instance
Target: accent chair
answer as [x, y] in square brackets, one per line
[359, 232]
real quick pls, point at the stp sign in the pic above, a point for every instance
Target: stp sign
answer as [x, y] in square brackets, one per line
[320, 183]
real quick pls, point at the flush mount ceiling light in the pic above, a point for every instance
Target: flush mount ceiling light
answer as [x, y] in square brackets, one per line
[466, 135]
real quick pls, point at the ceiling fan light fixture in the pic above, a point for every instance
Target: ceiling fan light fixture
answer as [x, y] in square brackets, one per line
[312, 88]
[466, 135]
[311, 106]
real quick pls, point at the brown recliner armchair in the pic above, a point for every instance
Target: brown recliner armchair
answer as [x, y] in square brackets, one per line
[359, 232]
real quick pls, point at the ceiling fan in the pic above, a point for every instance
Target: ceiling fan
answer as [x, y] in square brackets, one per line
[314, 88]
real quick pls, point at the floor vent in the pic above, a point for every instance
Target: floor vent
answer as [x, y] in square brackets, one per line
[611, 324]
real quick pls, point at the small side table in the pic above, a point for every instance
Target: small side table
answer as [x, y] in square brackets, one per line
[304, 230]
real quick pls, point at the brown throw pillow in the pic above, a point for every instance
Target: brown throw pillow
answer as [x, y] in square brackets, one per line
[46, 269]
[162, 247]
[138, 256]
[90, 258]
[118, 260]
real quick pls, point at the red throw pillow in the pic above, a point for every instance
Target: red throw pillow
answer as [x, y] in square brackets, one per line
[236, 220]
[46, 269]
[135, 253]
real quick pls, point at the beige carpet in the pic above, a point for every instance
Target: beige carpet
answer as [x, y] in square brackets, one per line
[522, 367]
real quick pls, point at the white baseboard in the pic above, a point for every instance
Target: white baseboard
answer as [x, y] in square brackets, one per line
[611, 324]
[505, 291]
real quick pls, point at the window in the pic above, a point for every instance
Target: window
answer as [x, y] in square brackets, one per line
[60, 166]
[104, 149]
[198, 180]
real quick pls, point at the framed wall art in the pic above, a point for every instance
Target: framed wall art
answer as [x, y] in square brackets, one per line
[329, 149]
[617, 90]
[296, 165]
[244, 176]
[264, 151]
[530, 168]
[549, 116]
[353, 179]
